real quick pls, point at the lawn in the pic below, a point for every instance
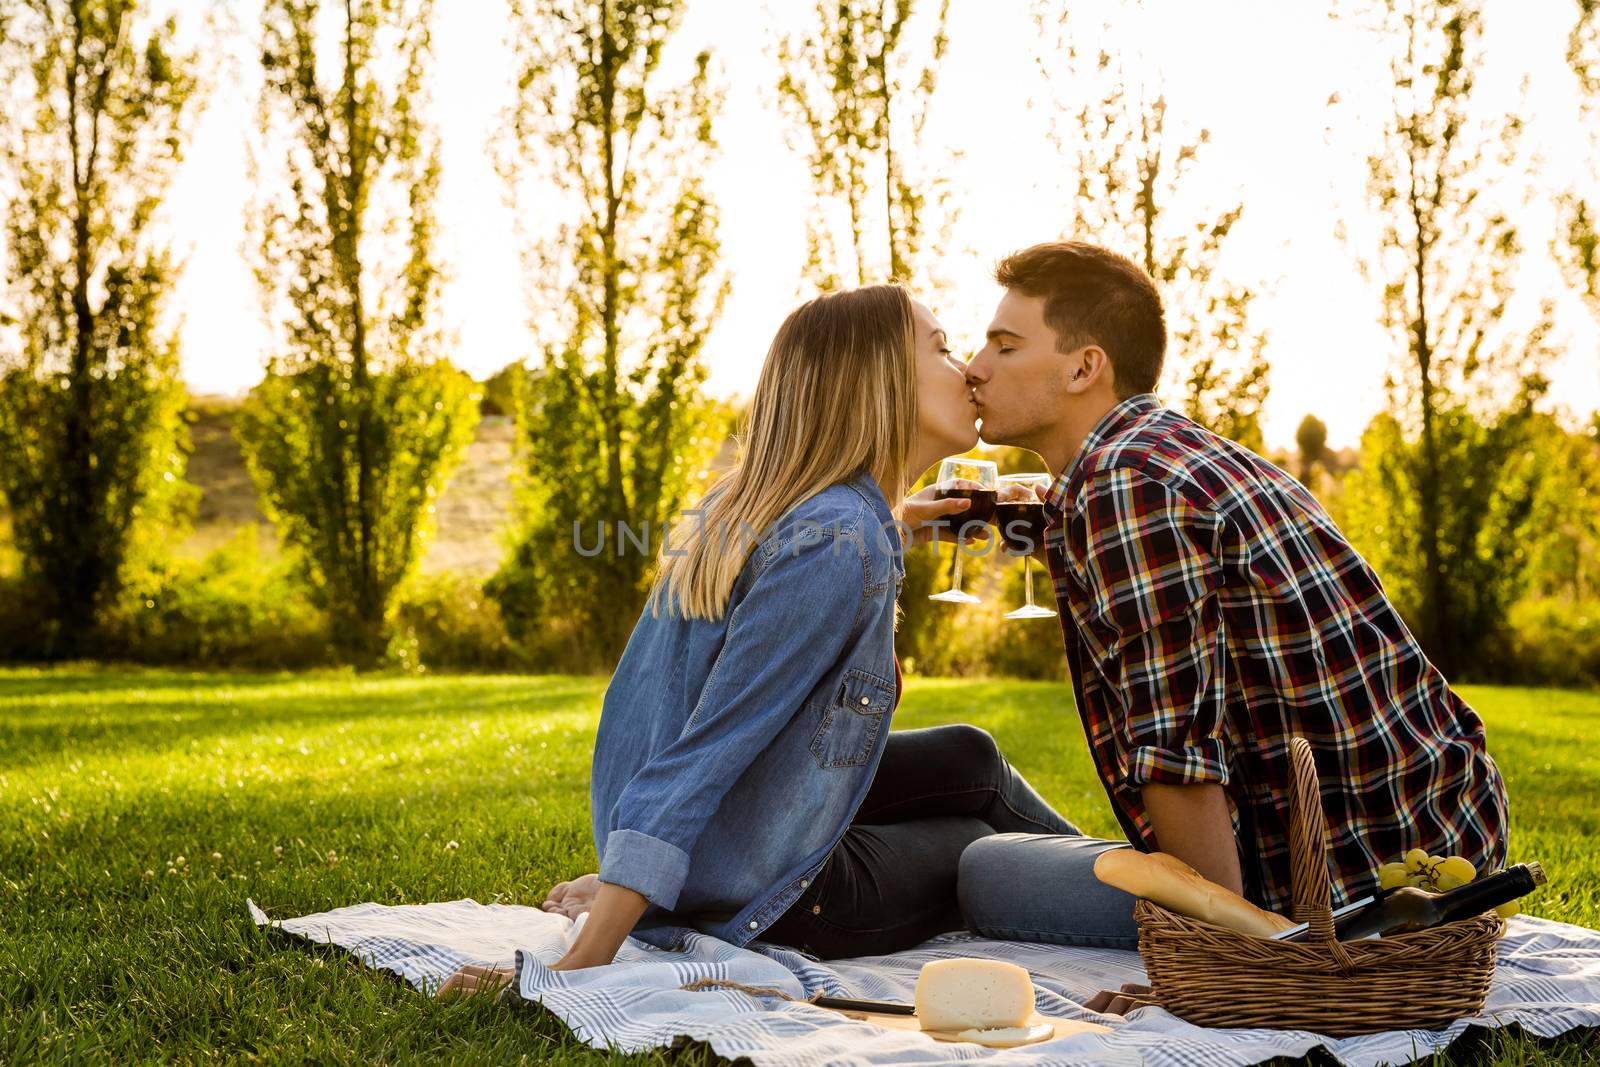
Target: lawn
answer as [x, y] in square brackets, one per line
[139, 809]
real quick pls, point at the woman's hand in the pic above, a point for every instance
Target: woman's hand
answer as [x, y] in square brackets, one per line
[572, 898]
[920, 510]
[575, 960]
[472, 979]
[611, 918]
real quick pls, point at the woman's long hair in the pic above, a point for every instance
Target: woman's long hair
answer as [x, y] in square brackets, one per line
[837, 394]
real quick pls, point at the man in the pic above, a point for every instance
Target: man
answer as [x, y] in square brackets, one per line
[1210, 611]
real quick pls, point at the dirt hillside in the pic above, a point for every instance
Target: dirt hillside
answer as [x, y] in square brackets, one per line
[473, 511]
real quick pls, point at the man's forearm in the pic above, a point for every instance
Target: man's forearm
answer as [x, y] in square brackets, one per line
[1192, 823]
[615, 912]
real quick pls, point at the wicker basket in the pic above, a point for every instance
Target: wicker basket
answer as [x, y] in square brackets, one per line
[1213, 976]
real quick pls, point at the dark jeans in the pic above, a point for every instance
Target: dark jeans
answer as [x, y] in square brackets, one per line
[890, 883]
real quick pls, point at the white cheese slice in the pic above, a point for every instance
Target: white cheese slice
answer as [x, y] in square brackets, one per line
[1009, 1036]
[973, 995]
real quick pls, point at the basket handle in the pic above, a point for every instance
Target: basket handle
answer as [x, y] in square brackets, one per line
[1308, 850]
[1308, 844]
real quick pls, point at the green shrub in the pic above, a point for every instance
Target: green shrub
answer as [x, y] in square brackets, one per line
[1022, 648]
[1554, 642]
[452, 623]
[26, 629]
[230, 609]
[975, 640]
[10, 561]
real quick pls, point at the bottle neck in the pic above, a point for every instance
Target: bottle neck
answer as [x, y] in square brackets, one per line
[1475, 898]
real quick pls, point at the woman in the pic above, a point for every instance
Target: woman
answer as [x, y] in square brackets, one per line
[745, 782]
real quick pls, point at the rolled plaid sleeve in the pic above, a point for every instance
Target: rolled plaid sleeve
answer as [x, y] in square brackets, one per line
[1151, 562]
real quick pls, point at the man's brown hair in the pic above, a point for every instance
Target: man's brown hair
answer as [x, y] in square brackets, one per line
[1094, 296]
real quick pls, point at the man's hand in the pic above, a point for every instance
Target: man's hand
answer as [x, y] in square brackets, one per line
[1192, 823]
[1015, 493]
[572, 898]
[919, 510]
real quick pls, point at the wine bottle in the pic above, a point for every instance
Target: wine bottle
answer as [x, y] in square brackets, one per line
[1358, 911]
[1405, 909]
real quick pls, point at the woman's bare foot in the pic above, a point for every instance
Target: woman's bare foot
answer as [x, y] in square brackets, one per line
[573, 898]
[472, 979]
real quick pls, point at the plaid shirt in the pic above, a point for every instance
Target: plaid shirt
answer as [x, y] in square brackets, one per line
[1211, 610]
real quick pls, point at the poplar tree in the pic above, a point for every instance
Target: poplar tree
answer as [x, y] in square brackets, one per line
[605, 144]
[1311, 440]
[1569, 516]
[100, 106]
[1578, 246]
[1131, 171]
[1449, 473]
[856, 90]
[360, 418]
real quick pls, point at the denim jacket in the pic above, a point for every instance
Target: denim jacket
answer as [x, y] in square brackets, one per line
[733, 753]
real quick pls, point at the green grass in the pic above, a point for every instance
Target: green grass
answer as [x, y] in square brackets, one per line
[309, 792]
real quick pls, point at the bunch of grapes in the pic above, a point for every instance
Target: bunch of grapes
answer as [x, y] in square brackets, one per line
[1434, 874]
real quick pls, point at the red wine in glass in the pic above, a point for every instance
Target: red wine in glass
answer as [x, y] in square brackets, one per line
[981, 509]
[974, 480]
[1021, 524]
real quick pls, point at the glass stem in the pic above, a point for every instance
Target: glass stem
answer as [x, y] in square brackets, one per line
[957, 581]
[1027, 578]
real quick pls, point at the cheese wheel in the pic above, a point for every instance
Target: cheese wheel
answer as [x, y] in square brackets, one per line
[1009, 1036]
[973, 995]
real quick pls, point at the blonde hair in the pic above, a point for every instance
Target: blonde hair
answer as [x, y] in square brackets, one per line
[837, 394]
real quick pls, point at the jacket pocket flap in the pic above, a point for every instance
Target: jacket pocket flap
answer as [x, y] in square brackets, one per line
[860, 691]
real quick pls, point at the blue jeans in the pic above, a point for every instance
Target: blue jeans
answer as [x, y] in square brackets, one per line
[1041, 887]
[891, 882]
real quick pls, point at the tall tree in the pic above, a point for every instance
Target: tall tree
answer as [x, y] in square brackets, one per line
[1450, 455]
[100, 105]
[1571, 519]
[360, 418]
[857, 94]
[1132, 166]
[856, 89]
[1311, 439]
[1578, 248]
[626, 286]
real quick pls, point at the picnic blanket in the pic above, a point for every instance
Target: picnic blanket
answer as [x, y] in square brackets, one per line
[1548, 982]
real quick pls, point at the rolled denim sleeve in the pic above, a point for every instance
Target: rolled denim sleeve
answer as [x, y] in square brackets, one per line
[784, 636]
[1153, 562]
[647, 865]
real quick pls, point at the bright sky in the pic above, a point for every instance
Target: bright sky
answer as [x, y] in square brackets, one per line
[1257, 73]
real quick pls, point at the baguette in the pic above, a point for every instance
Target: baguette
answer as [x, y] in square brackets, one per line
[1176, 886]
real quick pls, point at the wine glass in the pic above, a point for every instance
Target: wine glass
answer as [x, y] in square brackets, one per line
[974, 480]
[1020, 520]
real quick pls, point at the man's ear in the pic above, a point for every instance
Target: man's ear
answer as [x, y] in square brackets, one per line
[1090, 365]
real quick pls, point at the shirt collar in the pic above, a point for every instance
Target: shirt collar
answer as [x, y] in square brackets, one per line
[868, 487]
[1110, 424]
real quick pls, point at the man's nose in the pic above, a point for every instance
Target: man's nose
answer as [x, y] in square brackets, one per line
[977, 372]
